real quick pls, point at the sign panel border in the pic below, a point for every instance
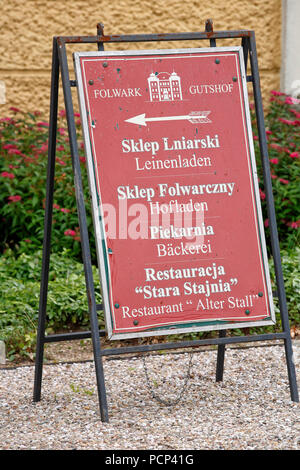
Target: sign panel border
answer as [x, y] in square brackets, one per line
[101, 245]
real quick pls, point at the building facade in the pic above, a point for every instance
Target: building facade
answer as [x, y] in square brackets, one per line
[164, 86]
[27, 29]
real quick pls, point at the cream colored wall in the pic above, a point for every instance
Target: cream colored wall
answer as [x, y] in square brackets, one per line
[27, 28]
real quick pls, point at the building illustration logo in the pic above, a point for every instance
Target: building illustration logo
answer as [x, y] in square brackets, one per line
[164, 86]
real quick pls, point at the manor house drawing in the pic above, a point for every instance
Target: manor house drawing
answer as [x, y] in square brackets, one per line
[164, 86]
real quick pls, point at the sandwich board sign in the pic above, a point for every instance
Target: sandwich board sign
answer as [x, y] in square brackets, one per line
[174, 189]
[175, 196]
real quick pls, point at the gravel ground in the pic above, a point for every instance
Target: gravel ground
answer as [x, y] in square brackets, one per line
[250, 409]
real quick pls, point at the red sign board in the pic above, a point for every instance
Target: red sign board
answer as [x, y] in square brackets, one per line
[174, 191]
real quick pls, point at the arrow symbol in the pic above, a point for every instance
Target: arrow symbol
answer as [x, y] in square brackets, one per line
[195, 117]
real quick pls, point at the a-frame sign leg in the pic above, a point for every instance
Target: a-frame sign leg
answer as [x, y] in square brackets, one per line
[220, 358]
[272, 222]
[85, 246]
[47, 225]
[249, 44]
[222, 333]
[59, 61]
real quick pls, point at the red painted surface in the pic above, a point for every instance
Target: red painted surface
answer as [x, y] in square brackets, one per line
[192, 154]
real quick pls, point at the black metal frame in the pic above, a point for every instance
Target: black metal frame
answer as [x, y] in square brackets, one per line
[60, 64]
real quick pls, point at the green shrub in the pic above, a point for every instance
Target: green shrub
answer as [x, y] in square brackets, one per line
[19, 299]
[291, 274]
[23, 175]
[282, 126]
